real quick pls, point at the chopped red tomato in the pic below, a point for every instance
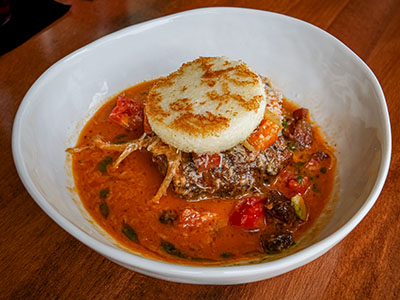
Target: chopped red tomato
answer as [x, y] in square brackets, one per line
[313, 165]
[286, 175]
[296, 183]
[299, 185]
[127, 113]
[264, 136]
[247, 213]
[146, 126]
[206, 161]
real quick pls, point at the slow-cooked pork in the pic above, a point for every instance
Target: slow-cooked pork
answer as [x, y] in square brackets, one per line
[240, 172]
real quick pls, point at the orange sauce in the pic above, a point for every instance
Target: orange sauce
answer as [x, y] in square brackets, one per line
[127, 192]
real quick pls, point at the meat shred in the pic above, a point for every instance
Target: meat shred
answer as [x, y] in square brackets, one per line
[300, 130]
[240, 172]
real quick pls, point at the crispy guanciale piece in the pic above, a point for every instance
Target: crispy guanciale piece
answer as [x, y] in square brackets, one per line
[168, 217]
[299, 130]
[280, 208]
[276, 243]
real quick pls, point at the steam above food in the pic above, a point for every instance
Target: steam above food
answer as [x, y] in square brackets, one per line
[209, 105]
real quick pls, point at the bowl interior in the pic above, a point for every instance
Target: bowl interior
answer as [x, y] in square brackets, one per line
[309, 66]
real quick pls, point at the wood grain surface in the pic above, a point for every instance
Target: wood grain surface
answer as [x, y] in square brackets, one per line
[39, 260]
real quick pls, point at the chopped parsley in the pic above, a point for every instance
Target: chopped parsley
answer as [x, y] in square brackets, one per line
[104, 193]
[299, 179]
[299, 165]
[130, 233]
[315, 188]
[104, 210]
[227, 255]
[102, 166]
[284, 123]
[170, 249]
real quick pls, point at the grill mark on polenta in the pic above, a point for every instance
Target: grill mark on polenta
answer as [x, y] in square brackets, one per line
[216, 73]
[240, 82]
[153, 108]
[249, 105]
[253, 104]
[203, 99]
[200, 125]
[182, 105]
[242, 71]
[209, 82]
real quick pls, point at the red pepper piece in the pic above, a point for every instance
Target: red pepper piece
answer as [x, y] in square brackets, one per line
[206, 162]
[127, 113]
[247, 213]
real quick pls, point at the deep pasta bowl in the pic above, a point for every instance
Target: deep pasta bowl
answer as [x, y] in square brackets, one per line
[309, 66]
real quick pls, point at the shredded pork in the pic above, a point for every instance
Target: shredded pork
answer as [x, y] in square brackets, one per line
[150, 143]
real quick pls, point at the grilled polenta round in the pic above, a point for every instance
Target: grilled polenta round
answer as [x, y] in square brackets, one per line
[207, 106]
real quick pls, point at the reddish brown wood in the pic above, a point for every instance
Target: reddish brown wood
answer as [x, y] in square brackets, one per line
[39, 260]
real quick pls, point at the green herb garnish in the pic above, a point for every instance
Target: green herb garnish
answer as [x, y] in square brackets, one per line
[201, 259]
[315, 188]
[299, 165]
[299, 179]
[227, 255]
[168, 217]
[104, 193]
[323, 170]
[130, 233]
[119, 139]
[121, 136]
[292, 147]
[170, 249]
[284, 123]
[104, 210]
[102, 166]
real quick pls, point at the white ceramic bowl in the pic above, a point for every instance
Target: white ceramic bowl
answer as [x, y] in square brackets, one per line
[310, 66]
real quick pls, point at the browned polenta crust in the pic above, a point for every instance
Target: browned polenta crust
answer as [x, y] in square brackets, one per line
[200, 124]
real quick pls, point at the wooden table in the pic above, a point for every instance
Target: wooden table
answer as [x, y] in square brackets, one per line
[39, 260]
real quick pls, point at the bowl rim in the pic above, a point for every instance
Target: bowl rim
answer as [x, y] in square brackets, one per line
[204, 274]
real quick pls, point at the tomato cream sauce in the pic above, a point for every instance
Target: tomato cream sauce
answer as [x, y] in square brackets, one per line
[119, 200]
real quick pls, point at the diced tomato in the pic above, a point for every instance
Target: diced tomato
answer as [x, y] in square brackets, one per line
[191, 218]
[286, 175]
[299, 185]
[206, 161]
[127, 113]
[313, 165]
[146, 126]
[295, 183]
[264, 136]
[247, 213]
